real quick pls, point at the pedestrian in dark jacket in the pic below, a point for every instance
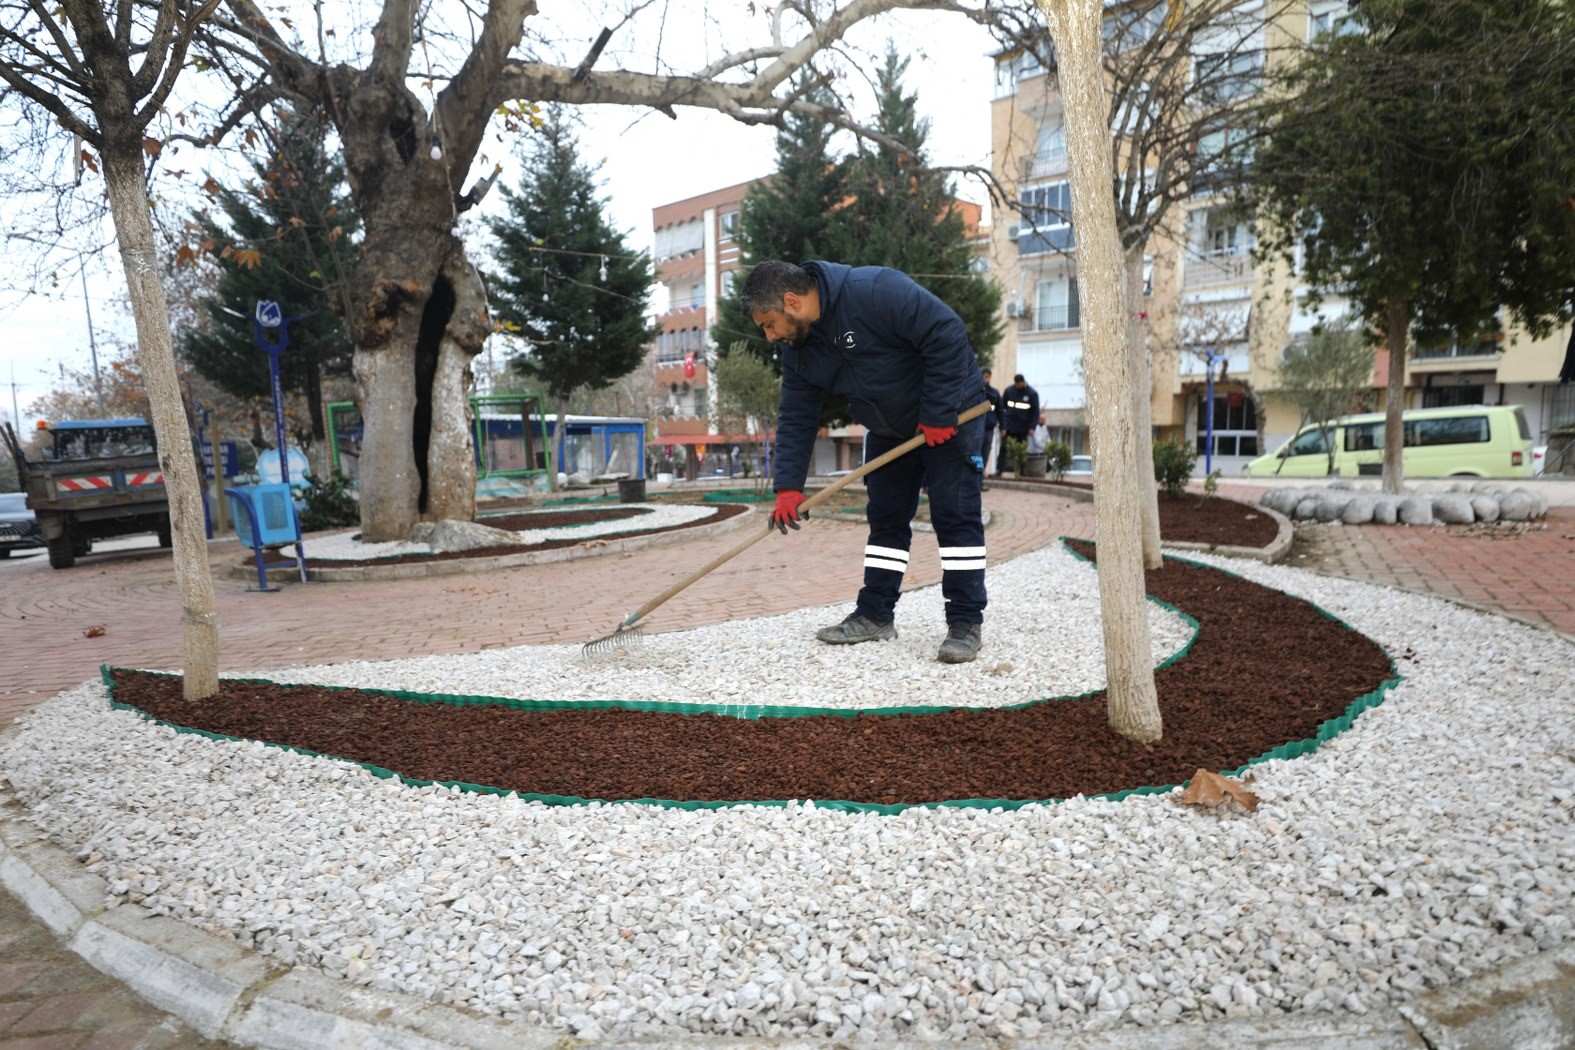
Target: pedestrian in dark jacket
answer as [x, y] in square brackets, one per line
[992, 426]
[902, 358]
[1019, 414]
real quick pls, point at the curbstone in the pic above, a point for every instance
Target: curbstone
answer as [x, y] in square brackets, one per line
[53, 886]
[179, 969]
[1528, 1004]
[303, 1011]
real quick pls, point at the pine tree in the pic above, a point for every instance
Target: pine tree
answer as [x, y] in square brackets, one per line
[902, 216]
[568, 285]
[286, 237]
[792, 216]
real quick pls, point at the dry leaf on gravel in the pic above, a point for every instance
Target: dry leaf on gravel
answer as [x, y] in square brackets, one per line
[1211, 789]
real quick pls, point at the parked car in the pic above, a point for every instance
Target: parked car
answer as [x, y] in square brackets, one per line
[19, 529]
[1082, 467]
[1485, 441]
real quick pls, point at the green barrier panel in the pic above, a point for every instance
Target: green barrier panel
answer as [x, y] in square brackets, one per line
[1292, 749]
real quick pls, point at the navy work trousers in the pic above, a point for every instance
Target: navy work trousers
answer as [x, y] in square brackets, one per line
[952, 471]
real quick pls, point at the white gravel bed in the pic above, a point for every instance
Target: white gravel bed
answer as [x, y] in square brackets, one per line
[1042, 638]
[344, 546]
[1430, 842]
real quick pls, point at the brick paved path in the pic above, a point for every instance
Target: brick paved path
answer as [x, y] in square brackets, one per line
[51, 1000]
[1523, 570]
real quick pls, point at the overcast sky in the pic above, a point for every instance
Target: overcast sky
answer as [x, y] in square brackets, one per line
[650, 160]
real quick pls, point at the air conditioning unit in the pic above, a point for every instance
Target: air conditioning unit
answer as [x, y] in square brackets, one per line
[1012, 232]
[1016, 309]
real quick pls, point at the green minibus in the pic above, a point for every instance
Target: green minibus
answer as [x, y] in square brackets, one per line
[1483, 441]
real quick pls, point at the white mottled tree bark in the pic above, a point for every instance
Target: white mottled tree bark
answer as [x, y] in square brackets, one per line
[128, 204]
[1143, 408]
[1133, 702]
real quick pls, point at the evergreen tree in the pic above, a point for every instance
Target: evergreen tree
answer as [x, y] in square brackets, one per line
[792, 216]
[1424, 166]
[899, 215]
[568, 284]
[286, 237]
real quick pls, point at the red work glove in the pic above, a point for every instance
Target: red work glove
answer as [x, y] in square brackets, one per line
[785, 513]
[937, 435]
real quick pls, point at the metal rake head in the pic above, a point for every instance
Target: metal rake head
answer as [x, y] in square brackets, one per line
[624, 635]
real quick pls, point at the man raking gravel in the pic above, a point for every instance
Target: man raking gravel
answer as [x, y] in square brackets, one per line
[902, 358]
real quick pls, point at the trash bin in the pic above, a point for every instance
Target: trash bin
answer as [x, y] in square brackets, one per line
[631, 490]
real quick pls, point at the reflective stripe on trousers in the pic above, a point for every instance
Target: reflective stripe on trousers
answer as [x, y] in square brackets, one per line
[951, 474]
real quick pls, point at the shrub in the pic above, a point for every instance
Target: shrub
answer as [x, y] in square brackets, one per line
[1211, 486]
[330, 504]
[1058, 456]
[1173, 462]
[1016, 454]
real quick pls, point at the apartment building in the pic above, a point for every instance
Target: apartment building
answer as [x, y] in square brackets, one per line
[1217, 325]
[697, 262]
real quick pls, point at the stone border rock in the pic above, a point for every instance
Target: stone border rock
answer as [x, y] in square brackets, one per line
[1452, 503]
[225, 991]
[591, 548]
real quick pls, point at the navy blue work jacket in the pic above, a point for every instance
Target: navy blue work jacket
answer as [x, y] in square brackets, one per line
[897, 352]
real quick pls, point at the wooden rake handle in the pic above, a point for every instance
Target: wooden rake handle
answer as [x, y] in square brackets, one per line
[813, 501]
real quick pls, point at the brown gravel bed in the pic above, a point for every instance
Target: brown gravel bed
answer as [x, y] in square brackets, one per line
[1265, 669]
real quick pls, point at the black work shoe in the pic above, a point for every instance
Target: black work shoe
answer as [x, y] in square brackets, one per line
[961, 645]
[857, 628]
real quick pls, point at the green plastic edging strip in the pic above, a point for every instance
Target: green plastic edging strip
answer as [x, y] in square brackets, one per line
[1327, 730]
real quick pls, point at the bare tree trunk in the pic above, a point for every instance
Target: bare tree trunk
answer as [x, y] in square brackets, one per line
[425, 320]
[128, 204]
[1398, 319]
[1133, 702]
[390, 487]
[1143, 404]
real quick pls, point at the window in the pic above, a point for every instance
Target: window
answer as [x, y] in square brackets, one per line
[1452, 396]
[1330, 19]
[1050, 150]
[1364, 437]
[1218, 153]
[729, 282]
[1047, 219]
[1223, 237]
[728, 224]
[1055, 305]
[1308, 444]
[1227, 77]
[1018, 66]
[1451, 430]
[1133, 26]
[1235, 426]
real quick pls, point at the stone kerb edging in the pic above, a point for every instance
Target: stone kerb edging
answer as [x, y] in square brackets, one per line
[225, 991]
[594, 547]
[1275, 552]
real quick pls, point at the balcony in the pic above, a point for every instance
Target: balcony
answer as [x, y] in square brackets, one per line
[1215, 268]
[1056, 318]
[1486, 350]
[1042, 165]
